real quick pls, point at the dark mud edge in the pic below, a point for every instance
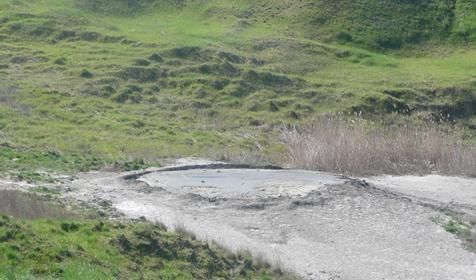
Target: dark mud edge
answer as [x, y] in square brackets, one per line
[452, 209]
[212, 166]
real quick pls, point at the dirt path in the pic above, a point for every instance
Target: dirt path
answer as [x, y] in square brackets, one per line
[319, 225]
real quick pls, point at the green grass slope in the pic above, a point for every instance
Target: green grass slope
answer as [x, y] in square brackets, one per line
[465, 23]
[386, 23]
[93, 82]
[92, 249]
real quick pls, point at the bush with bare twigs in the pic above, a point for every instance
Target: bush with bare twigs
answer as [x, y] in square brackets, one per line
[354, 147]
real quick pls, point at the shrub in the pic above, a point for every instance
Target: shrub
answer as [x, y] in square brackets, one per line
[90, 36]
[379, 103]
[60, 61]
[344, 37]
[65, 34]
[455, 102]
[107, 91]
[185, 52]
[273, 106]
[124, 7]
[86, 74]
[236, 90]
[132, 93]
[142, 62]
[156, 57]
[233, 58]
[389, 42]
[267, 78]
[141, 74]
[348, 146]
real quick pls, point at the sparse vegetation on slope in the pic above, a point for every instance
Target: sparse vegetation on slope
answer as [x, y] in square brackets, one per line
[34, 246]
[102, 250]
[126, 7]
[148, 79]
[463, 227]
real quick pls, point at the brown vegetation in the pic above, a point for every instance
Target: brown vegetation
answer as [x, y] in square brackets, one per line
[355, 147]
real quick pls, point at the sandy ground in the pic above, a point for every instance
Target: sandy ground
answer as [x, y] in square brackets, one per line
[435, 187]
[316, 224]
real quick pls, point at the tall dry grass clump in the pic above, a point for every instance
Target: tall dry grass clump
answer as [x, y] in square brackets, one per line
[353, 147]
[29, 206]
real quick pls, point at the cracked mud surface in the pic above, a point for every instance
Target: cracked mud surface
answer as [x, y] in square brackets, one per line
[316, 224]
[440, 189]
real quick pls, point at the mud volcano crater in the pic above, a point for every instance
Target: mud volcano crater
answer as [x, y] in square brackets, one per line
[231, 181]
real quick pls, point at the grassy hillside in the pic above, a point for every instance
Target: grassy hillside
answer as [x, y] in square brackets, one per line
[386, 24]
[51, 249]
[43, 240]
[91, 82]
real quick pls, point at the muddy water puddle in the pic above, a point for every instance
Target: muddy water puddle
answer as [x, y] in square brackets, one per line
[239, 181]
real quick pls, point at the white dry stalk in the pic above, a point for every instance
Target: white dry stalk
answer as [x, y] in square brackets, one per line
[336, 145]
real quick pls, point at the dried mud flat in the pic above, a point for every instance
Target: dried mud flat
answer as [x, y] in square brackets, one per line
[316, 224]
